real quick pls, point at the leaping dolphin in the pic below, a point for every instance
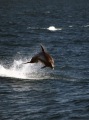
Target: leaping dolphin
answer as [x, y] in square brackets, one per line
[44, 57]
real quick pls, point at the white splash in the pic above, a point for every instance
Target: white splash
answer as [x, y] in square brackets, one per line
[52, 28]
[22, 71]
[16, 70]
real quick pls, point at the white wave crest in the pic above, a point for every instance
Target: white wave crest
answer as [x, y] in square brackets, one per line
[52, 28]
[86, 25]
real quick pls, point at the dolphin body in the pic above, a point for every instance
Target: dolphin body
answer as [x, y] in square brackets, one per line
[43, 57]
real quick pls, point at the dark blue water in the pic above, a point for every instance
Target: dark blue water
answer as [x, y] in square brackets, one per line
[28, 92]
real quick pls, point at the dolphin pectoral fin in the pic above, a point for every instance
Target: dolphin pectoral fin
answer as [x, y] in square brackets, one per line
[43, 67]
[26, 63]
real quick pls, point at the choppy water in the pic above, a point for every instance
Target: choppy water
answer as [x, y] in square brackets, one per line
[28, 92]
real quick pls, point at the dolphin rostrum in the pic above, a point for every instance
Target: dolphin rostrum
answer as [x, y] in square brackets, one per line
[43, 57]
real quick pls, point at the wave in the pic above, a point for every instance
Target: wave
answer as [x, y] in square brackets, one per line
[23, 71]
[53, 28]
[50, 28]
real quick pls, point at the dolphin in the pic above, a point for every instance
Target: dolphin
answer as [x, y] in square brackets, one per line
[43, 57]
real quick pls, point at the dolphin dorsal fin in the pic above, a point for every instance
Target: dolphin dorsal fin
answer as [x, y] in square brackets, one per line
[42, 48]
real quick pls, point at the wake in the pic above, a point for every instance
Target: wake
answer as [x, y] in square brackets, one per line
[23, 71]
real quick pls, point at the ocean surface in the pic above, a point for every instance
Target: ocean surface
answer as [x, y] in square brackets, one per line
[28, 92]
